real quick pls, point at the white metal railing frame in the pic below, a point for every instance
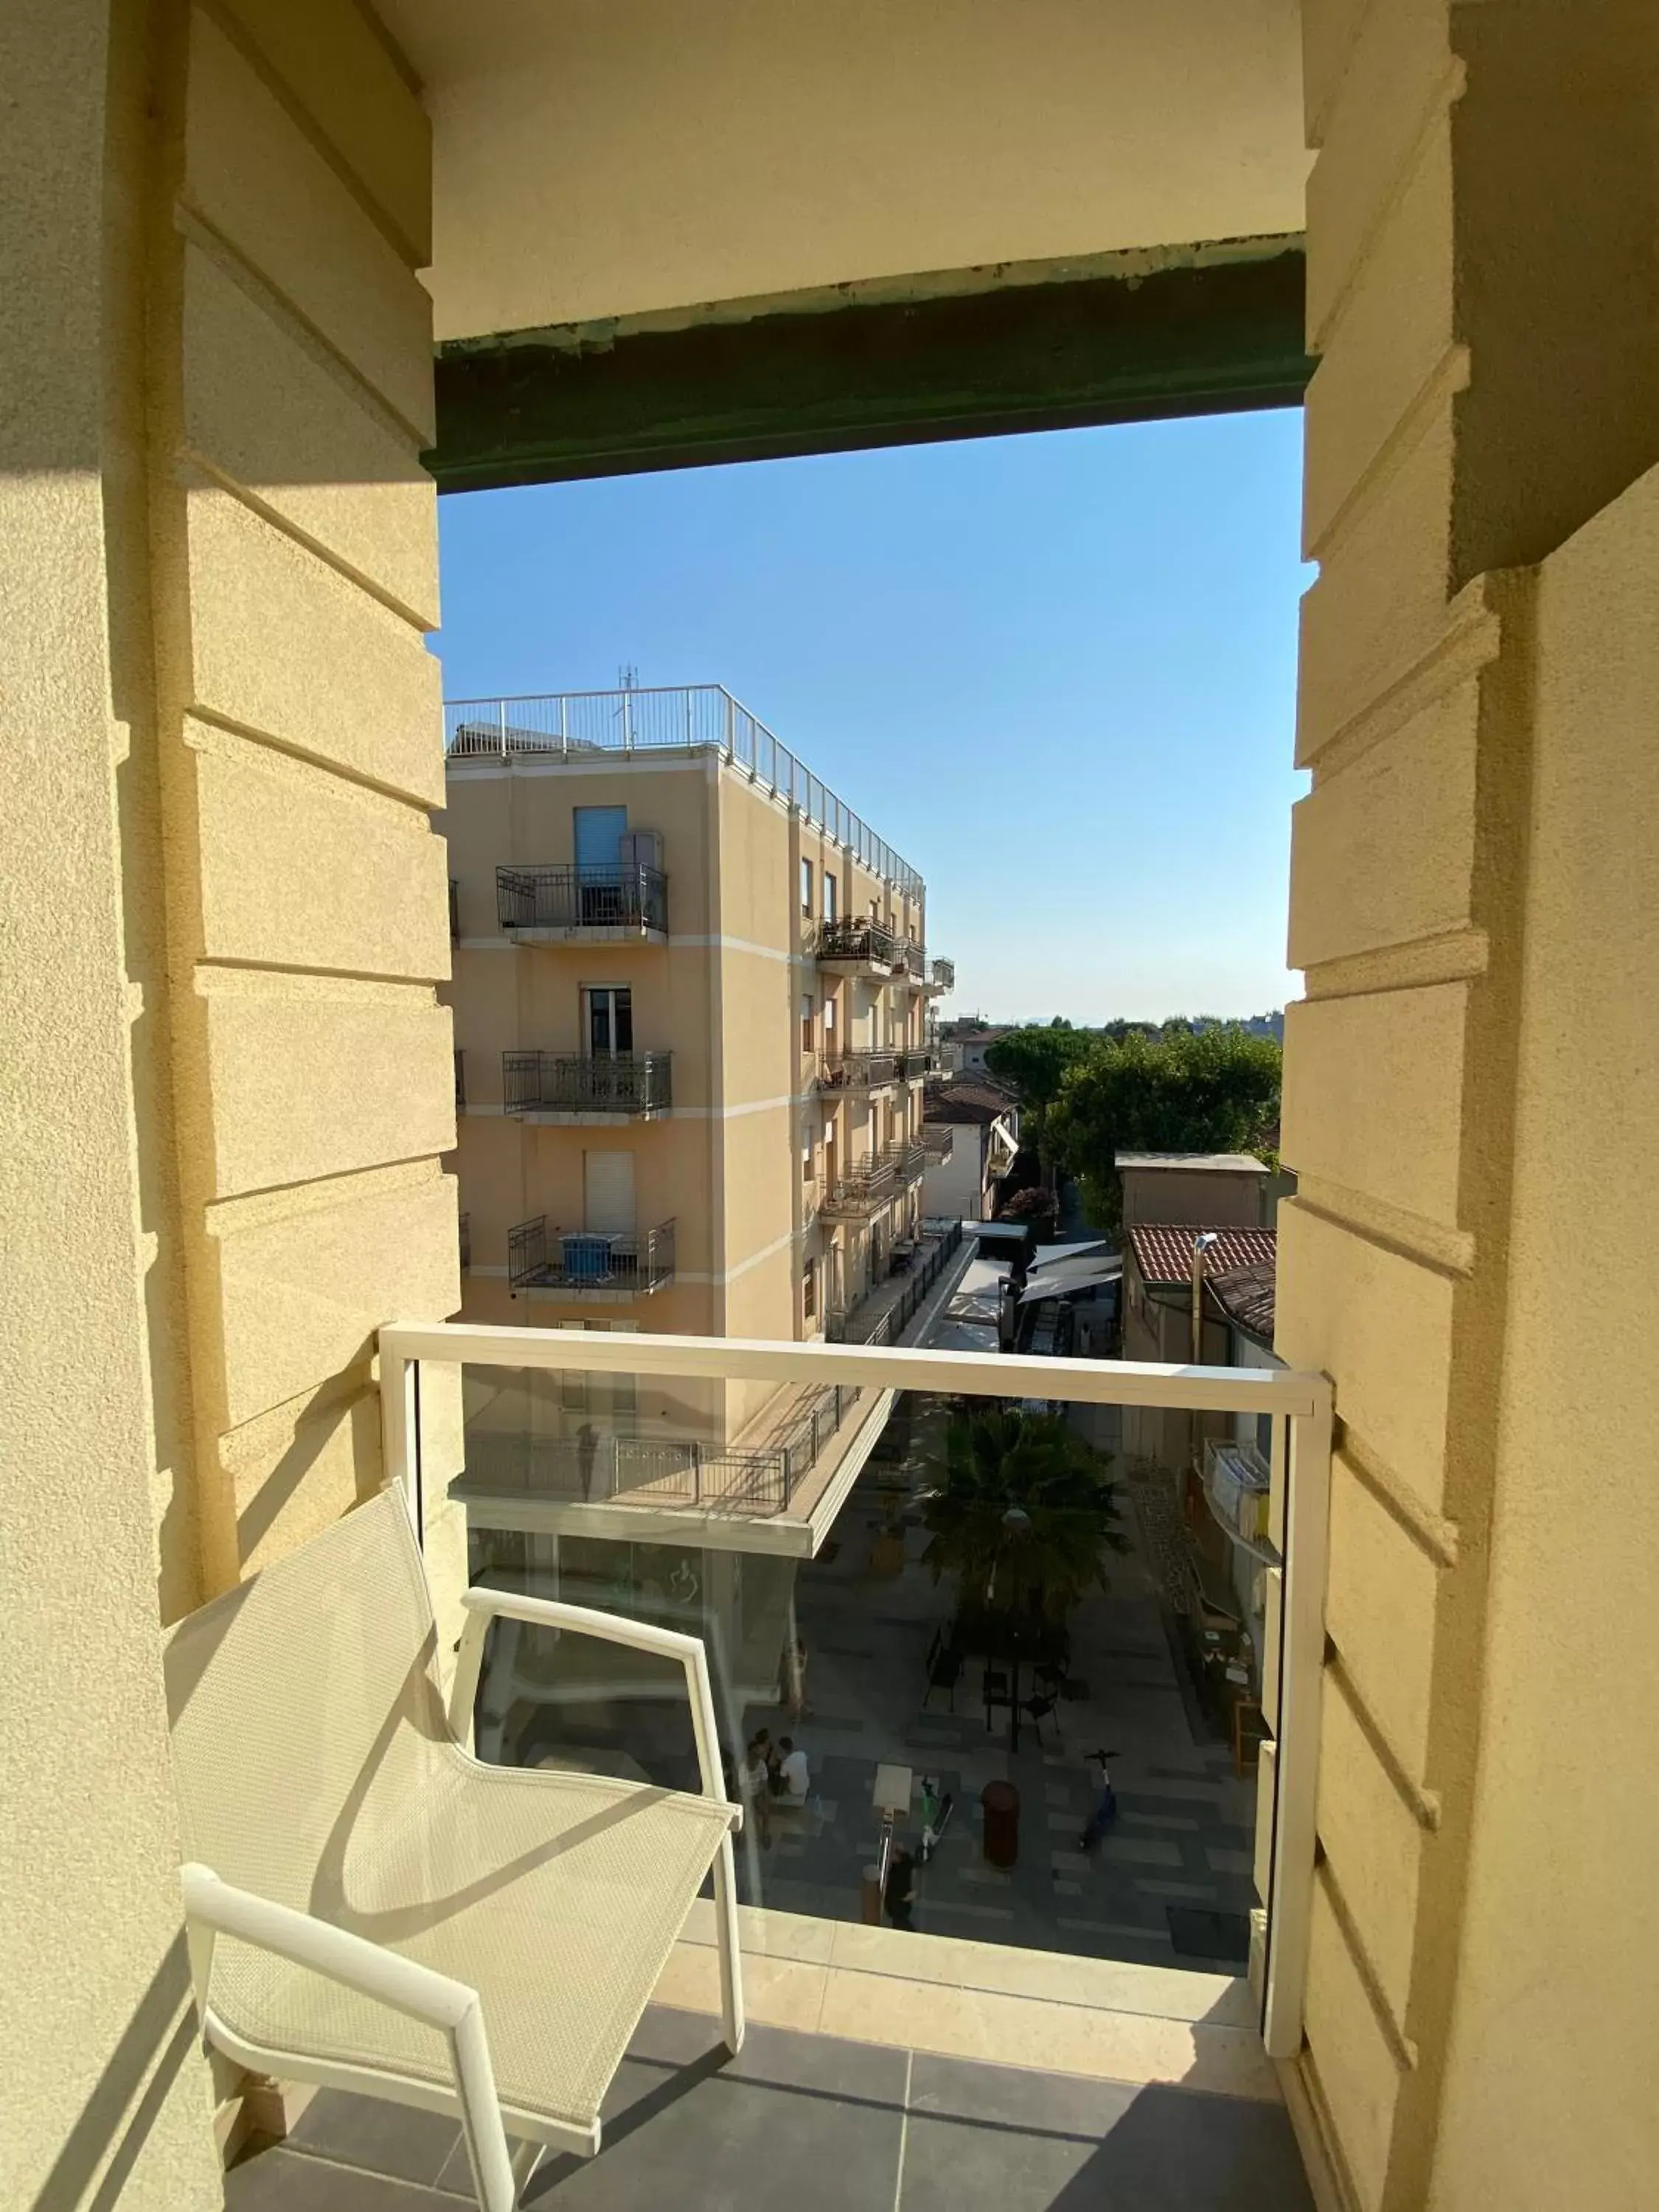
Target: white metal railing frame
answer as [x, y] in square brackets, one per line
[648, 718]
[1299, 1404]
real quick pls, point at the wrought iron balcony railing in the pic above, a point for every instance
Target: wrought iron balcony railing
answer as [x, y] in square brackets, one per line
[863, 1189]
[567, 1082]
[854, 942]
[943, 976]
[609, 895]
[583, 1260]
[917, 1062]
[856, 1070]
[910, 959]
[939, 1140]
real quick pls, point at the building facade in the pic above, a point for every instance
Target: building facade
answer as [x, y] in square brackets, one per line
[691, 1014]
[971, 1132]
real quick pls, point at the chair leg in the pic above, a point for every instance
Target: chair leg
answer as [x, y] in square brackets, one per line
[725, 1937]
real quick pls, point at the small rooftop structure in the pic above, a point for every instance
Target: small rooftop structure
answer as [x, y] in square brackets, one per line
[1205, 1189]
[1192, 1162]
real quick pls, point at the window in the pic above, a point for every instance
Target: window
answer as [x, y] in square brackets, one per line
[610, 1023]
[807, 887]
[828, 896]
[806, 1021]
[806, 1161]
[829, 1023]
[809, 1290]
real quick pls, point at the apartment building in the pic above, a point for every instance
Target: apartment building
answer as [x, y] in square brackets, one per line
[690, 992]
[228, 1086]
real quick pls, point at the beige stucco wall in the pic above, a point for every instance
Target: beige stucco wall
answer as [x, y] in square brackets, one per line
[1555, 2036]
[102, 2091]
[1472, 902]
[741, 149]
[228, 1088]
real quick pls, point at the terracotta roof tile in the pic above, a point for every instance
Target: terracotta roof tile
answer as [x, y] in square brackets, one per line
[1163, 1251]
[1246, 1296]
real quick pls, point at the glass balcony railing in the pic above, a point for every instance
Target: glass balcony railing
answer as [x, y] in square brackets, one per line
[945, 1577]
[625, 1083]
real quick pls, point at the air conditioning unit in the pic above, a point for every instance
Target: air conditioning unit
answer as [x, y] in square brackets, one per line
[641, 848]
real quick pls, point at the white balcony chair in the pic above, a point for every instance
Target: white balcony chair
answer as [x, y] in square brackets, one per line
[371, 1908]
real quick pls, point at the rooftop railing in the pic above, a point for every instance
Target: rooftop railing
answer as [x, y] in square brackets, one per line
[570, 1083]
[677, 717]
[587, 1261]
[600, 894]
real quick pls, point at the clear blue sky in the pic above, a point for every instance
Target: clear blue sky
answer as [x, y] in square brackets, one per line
[1057, 672]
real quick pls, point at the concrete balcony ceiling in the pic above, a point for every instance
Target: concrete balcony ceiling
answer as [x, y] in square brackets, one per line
[662, 235]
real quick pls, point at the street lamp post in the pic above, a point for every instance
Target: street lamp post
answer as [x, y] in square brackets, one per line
[1201, 1244]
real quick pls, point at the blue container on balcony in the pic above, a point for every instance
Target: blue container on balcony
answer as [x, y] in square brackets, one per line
[586, 1259]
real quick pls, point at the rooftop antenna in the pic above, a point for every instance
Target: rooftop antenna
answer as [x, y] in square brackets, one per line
[627, 681]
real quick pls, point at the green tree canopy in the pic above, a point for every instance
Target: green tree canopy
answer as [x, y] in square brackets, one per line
[1034, 1061]
[1216, 1091]
[1024, 1516]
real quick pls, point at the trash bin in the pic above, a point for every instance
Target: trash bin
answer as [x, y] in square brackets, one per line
[1000, 1801]
[586, 1259]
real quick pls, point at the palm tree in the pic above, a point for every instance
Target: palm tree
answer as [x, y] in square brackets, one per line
[1024, 1516]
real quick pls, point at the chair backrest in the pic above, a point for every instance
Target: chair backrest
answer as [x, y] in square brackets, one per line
[305, 1708]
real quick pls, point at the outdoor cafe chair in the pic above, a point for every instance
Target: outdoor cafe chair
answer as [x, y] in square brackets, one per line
[371, 1908]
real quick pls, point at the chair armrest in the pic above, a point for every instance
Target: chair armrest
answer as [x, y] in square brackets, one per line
[334, 1952]
[483, 1606]
[214, 1908]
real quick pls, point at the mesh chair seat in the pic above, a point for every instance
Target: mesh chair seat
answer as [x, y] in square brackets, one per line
[316, 1768]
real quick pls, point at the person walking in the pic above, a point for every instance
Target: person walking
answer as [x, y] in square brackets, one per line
[587, 1446]
[899, 1895]
[1105, 1809]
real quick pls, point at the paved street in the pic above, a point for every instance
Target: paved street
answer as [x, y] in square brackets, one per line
[1182, 1839]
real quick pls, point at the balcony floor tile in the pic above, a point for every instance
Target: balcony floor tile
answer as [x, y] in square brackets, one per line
[825, 2123]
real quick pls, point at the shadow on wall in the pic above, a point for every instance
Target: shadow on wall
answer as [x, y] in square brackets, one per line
[351, 1402]
[131, 2092]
